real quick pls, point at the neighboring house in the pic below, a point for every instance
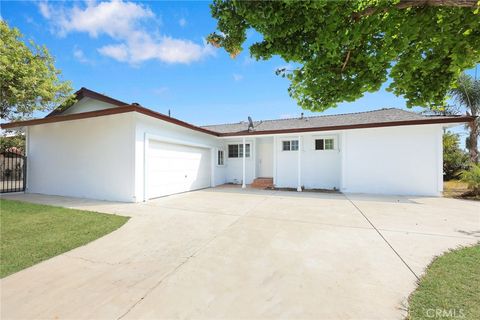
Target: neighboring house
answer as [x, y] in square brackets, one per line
[104, 148]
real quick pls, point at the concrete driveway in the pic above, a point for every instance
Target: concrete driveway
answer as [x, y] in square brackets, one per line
[230, 253]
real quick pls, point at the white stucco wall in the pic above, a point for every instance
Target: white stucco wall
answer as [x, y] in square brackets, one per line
[86, 105]
[171, 133]
[394, 160]
[88, 158]
[320, 169]
[234, 166]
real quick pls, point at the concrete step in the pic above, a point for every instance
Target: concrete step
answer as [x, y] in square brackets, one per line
[262, 183]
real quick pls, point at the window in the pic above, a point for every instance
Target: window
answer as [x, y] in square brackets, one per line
[324, 144]
[220, 158]
[290, 145]
[236, 150]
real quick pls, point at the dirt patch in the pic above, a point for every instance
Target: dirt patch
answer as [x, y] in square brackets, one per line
[458, 190]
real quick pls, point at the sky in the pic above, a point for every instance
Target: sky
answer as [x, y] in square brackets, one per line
[154, 53]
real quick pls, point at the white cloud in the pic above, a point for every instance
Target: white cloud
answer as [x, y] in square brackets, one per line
[237, 77]
[161, 91]
[116, 51]
[80, 56]
[126, 23]
[182, 22]
[44, 10]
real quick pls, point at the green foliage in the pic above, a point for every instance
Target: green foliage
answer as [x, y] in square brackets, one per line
[347, 48]
[29, 80]
[454, 158]
[17, 141]
[472, 178]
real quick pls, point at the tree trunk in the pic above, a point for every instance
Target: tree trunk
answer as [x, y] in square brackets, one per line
[473, 141]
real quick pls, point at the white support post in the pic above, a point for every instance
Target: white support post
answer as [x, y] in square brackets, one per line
[145, 166]
[299, 165]
[254, 156]
[274, 160]
[213, 159]
[243, 163]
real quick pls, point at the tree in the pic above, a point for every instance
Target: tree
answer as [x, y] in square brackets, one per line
[347, 48]
[454, 158]
[13, 141]
[29, 80]
[467, 94]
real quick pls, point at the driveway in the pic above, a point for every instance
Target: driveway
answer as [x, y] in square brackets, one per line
[231, 253]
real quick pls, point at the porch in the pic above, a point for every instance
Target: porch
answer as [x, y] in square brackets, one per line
[306, 160]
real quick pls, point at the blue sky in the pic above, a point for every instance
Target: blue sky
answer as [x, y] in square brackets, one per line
[154, 53]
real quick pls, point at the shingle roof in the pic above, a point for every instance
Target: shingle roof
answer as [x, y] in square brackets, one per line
[386, 115]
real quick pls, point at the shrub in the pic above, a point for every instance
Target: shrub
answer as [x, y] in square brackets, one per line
[472, 178]
[454, 158]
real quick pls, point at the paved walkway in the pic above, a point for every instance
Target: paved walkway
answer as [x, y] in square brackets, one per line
[230, 253]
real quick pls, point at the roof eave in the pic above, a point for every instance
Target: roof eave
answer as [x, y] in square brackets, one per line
[84, 92]
[458, 120]
[105, 112]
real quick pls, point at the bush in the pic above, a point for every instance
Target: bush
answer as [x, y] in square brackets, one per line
[472, 178]
[454, 158]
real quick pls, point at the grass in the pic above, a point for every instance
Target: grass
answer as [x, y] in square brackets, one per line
[30, 233]
[450, 287]
[458, 190]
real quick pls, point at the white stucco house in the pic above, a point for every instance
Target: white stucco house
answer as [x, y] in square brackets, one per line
[103, 148]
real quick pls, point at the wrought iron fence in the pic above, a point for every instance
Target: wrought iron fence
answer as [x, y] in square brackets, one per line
[13, 171]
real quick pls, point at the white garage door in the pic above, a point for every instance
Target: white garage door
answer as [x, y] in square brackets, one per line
[174, 168]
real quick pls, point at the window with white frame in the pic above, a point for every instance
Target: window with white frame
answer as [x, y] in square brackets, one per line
[220, 158]
[325, 144]
[236, 150]
[290, 145]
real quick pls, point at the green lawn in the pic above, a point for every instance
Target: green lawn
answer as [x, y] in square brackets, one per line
[450, 289]
[30, 233]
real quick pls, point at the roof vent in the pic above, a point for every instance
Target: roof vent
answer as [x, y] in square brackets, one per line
[136, 104]
[250, 124]
[301, 115]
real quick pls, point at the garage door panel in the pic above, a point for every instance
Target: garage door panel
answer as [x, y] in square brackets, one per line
[175, 168]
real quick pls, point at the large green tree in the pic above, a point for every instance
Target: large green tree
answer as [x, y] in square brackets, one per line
[29, 80]
[344, 49]
[467, 94]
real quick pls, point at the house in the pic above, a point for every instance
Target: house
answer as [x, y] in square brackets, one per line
[103, 148]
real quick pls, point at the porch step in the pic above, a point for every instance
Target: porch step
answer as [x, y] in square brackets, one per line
[262, 183]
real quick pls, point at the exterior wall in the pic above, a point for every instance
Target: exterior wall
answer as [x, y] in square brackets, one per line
[146, 126]
[88, 104]
[395, 160]
[234, 166]
[320, 169]
[88, 158]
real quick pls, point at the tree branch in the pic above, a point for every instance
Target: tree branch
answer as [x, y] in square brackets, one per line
[404, 4]
[346, 61]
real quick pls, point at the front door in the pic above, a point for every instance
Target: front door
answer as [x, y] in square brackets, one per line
[265, 157]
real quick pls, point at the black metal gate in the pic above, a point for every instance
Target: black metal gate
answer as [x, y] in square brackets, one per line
[13, 171]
